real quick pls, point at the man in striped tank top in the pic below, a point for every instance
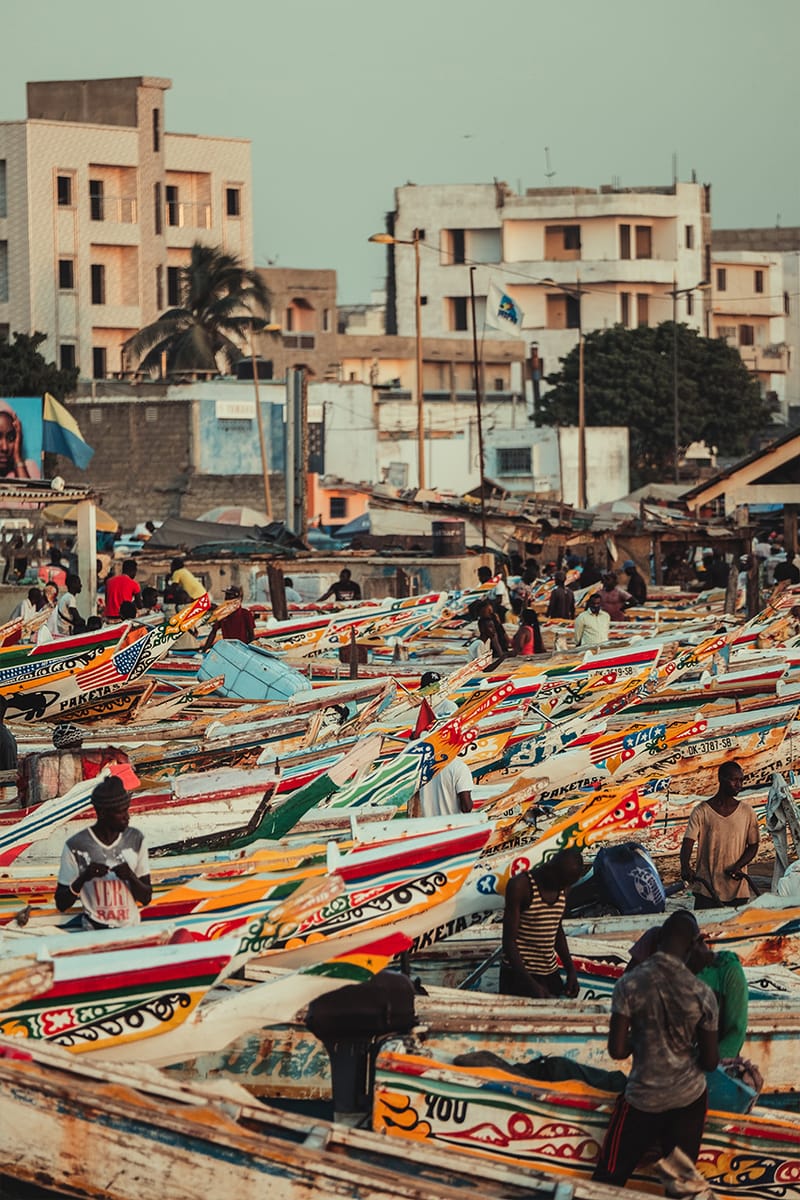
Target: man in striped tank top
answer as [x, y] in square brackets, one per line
[533, 933]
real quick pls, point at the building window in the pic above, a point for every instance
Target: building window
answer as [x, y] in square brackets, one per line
[642, 309]
[98, 362]
[326, 320]
[727, 332]
[64, 191]
[625, 308]
[458, 314]
[173, 206]
[457, 246]
[159, 288]
[562, 242]
[689, 304]
[624, 241]
[787, 304]
[288, 321]
[499, 384]
[157, 208]
[3, 189]
[66, 274]
[747, 335]
[563, 312]
[759, 281]
[689, 237]
[3, 272]
[644, 241]
[96, 199]
[722, 279]
[66, 356]
[233, 201]
[98, 272]
[514, 460]
[338, 507]
[173, 286]
[156, 131]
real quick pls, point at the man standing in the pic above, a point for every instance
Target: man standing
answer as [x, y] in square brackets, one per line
[106, 865]
[120, 588]
[561, 605]
[726, 834]
[65, 618]
[667, 1019]
[533, 932]
[592, 625]
[239, 626]
[450, 791]
[343, 589]
[636, 584]
[8, 743]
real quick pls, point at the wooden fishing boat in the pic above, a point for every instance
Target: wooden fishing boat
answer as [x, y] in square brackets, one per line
[283, 1058]
[495, 1114]
[93, 1130]
[54, 687]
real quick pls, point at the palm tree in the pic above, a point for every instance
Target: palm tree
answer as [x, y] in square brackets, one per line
[218, 300]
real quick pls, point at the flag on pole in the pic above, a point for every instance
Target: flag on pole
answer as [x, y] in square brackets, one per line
[502, 311]
[61, 435]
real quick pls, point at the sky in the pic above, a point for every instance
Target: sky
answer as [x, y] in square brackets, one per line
[344, 100]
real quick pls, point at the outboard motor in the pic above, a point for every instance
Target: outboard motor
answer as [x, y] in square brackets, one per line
[624, 879]
[351, 1023]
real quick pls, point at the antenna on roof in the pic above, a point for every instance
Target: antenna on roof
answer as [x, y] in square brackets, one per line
[548, 173]
[674, 167]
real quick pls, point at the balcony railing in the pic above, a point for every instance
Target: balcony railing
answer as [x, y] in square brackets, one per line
[119, 210]
[186, 214]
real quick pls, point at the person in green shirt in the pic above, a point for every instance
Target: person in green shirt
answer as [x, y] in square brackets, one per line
[724, 974]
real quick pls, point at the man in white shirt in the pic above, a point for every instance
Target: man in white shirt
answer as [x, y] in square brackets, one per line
[592, 624]
[106, 865]
[65, 618]
[449, 792]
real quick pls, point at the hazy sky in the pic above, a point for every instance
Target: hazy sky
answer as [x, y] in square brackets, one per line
[346, 99]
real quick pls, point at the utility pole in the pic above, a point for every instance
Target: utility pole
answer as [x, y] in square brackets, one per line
[476, 366]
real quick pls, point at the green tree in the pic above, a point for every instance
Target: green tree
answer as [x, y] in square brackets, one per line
[26, 372]
[628, 380]
[218, 301]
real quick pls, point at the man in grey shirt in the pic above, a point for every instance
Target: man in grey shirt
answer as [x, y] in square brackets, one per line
[667, 1019]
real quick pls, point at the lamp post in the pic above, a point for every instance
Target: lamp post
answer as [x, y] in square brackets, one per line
[576, 293]
[387, 239]
[674, 292]
[256, 325]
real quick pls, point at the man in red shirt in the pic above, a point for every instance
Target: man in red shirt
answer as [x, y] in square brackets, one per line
[238, 626]
[122, 587]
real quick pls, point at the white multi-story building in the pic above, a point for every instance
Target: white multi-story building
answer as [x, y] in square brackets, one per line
[99, 207]
[748, 298]
[571, 257]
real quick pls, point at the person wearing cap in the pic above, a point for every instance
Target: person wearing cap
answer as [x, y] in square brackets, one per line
[441, 705]
[106, 865]
[238, 626]
[636, 584]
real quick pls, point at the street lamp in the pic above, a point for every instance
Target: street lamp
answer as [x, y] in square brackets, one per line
[675, 291]
[576, 293]
[257, 326]
[387, 239]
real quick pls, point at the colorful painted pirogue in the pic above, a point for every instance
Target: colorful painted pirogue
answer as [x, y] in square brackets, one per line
[133, 1133]
[53, 687]
[494, 1114]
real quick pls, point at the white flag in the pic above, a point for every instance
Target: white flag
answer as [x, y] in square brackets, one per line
[502, 311]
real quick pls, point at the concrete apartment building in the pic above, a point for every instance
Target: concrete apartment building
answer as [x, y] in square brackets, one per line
[569, 256]
[747, 309]
[781, 247]
[99, 207]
